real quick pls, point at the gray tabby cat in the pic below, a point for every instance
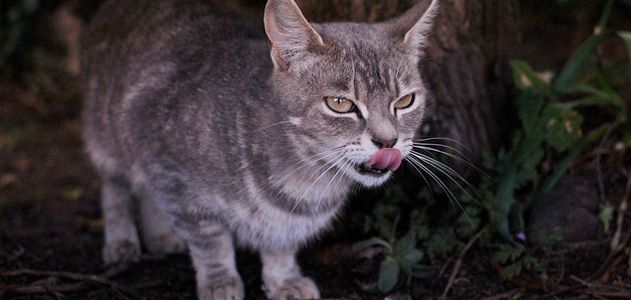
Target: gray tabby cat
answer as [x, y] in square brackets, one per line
[221, 143]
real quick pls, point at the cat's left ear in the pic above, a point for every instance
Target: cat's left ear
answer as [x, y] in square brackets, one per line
[415, 25]
[289, 32]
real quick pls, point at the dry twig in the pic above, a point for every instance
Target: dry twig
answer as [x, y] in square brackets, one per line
[458, 264]
[83, 279]
[622, 210]
[51, 285]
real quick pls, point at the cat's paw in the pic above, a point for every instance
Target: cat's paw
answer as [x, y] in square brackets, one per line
[121, 252]
[165, 244]
[225, 289]
[295, 288]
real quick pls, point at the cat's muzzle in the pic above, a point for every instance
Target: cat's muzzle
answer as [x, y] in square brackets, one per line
[384, 160]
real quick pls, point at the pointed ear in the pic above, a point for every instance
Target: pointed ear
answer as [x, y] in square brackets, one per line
[415, 25]
[289, 32]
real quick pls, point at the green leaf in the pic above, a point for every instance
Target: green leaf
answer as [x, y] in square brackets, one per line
[626, 37]
[405, 244]
[552, 180]
[406, 270]
[512, 270]
[606, 215]
[528, 168]
[443, 241]
[605, 16]
[527, 79]
[577, 62]
[564, 130]
[413, 256]
[594, 96]
[502, 202]
[501, 257]
[372, 242]
[529, 106]
[506, 254]
[388, 274]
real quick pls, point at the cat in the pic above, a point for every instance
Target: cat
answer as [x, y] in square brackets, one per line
[226, 135]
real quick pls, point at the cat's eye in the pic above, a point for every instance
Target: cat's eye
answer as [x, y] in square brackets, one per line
[405, 102]
[340, 105]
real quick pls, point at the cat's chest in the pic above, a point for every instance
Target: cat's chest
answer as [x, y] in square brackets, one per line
[262, 220]
[270, 227]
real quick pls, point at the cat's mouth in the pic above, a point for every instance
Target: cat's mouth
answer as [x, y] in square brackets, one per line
[364, 169]
[381, 163]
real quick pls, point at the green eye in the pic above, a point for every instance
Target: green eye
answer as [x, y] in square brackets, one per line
[340, 105]
[405, 101]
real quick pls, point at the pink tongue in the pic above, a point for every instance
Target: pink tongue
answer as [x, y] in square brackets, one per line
[386, 159]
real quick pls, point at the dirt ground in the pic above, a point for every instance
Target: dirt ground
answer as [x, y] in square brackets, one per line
[50, 219]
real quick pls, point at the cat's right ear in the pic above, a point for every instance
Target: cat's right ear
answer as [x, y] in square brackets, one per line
[415, 25]
[289, 32]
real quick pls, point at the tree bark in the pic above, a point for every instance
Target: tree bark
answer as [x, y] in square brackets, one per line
[468, 70]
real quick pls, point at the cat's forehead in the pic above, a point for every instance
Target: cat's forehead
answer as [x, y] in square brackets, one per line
[350, 36]
[368, 58]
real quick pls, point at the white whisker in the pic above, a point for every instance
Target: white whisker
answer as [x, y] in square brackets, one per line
[311, 160]
[420, 173]
[459, 143]
[443, 186]
[332, 165]
[449, 172]
[330, 181]
[462, 159]
[302, 163]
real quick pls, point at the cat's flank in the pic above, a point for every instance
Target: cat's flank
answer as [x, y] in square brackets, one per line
[220, 141]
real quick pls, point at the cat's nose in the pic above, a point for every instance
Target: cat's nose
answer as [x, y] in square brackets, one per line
[385, 143]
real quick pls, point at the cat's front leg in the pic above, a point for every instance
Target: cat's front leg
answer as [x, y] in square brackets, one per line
[212, 252]
[282, 278]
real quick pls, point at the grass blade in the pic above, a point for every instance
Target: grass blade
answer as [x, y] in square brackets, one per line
[577, 62]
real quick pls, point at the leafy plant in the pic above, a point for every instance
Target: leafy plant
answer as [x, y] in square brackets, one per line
[551, 128]
[401, 263]
[513, 259]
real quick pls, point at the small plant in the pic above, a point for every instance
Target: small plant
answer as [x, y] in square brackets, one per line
[401, 263]
[513, 259]
[551, 128]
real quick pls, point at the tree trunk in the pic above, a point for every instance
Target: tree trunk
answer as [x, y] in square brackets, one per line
[468, 70]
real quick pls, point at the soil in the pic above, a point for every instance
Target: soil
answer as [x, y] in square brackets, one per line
[50, 218]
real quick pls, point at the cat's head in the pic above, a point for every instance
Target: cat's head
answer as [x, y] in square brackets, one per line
[352, 91]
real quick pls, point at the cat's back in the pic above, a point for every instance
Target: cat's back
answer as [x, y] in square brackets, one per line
[129, 36]
[141, 58]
